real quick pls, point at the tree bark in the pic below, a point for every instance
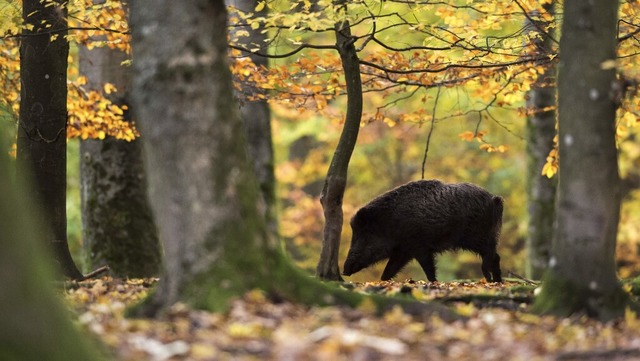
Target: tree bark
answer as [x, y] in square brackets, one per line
[336, 181]
[35, 326]
[118, 227]
[210, 215]
[582, 273]
[42, 142]
[206, 204]
[540, 133]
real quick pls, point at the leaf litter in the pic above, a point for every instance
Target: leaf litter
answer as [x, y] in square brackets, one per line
[497, 327]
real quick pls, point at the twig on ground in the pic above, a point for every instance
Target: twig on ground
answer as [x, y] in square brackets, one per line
[526, 280]
[96, 272]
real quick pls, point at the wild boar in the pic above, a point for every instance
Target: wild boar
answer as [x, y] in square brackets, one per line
[421, 219]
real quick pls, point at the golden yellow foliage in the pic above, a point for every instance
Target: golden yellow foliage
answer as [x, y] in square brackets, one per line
[91, 113]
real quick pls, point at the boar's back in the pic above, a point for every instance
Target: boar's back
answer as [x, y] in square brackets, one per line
[446, 216]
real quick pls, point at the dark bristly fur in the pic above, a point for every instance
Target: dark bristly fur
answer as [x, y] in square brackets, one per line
[421, 219]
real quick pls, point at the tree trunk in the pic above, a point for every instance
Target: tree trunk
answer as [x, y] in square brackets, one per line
[118, 228]
[256, 115]
[210, 215]
[42, 142]
[541, 190]
[336, 181]
[35, 326]
[582, 273]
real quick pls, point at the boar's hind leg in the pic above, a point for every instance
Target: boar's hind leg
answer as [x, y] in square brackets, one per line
[491, 267]
[428, 264]
[397, 261]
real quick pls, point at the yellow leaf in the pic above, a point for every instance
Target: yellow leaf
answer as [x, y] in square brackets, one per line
[203, 351]
[390, 122]
[622, 131]
[259, 7]
[629, 119]
[467, 136]
[549, 170]
[608, 64]
[367, 306]
[101, 134]
[466, 309]
[109, 88]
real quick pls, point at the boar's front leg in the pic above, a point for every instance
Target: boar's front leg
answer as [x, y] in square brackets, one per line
[427, 262]
[397, 261]
[491, 267]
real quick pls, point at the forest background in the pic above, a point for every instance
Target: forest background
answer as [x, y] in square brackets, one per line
[477, 135]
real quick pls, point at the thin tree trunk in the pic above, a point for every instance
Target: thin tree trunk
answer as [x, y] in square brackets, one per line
[540, 133]
[582, 273]
[118, 227]
[42, 142]
[336, 181]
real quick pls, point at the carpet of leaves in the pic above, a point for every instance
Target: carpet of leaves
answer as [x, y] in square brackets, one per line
[497, 327]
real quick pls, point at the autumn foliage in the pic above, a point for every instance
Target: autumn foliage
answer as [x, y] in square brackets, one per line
[461, 69]
[91, 113]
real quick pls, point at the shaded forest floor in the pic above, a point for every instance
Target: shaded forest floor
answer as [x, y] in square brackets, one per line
[498, 327]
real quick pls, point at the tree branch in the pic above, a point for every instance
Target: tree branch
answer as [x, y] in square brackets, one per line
[535, 23]
[433, 121]
[284, 55]
[524, 60]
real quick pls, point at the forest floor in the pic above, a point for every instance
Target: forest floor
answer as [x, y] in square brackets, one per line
[497, 327]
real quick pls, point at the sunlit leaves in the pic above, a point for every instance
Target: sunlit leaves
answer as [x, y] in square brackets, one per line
[406, 50]
[100, 24]
[91, 113]
[486, 48]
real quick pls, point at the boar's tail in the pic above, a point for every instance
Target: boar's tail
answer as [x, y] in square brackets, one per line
[498, 205]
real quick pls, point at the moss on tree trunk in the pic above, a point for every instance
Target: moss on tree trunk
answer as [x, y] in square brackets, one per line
[35, 325]
[118, 227]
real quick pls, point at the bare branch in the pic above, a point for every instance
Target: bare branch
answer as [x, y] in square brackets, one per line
[284, 55]
[433, 121]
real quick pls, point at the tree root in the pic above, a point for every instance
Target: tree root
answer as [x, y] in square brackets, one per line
[616, 354]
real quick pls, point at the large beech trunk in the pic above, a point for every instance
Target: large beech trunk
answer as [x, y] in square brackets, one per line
[582, 273]
[540, 133]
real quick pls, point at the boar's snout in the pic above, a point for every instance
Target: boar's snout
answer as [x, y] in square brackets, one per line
[350, 266]
[347, 269]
